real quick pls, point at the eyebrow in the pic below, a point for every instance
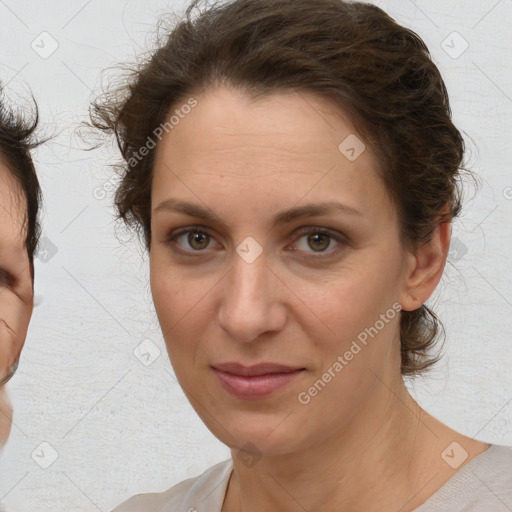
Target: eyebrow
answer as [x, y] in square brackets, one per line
[283, 217]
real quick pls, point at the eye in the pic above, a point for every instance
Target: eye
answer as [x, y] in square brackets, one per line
[319, 240]
[197, 239]
[6, 278]
[194, 240]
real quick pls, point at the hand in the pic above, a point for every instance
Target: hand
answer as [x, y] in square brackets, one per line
[16, 304]
[5, 417]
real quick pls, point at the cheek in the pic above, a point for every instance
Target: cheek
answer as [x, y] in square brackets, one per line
[179, 301]
[348, 299]
[169, 290]
[180, 310]
[343, 316]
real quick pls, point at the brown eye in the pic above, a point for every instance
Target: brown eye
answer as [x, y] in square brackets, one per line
[198, 240]
[6, 278]
[191, 240]
[194, 241]
[317, 240]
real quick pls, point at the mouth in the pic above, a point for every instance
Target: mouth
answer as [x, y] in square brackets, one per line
[255, 382]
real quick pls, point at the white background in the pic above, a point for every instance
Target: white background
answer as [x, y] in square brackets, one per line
[118, 427]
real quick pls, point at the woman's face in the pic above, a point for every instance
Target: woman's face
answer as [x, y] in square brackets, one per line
[257, 284]
[16, 291]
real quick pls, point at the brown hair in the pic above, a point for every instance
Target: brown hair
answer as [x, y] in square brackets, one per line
[376, 70]
[16, 142]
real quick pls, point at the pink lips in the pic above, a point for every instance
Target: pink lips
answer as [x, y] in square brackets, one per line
[258, 381]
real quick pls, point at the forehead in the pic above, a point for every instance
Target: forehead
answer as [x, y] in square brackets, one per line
[291, 125]
[280, 147]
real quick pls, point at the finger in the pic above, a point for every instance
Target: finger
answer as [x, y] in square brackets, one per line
[5, 416]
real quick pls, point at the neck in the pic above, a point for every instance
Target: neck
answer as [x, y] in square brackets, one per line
[376, 462]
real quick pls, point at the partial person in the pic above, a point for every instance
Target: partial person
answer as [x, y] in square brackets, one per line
[294, 170]
[20, 200]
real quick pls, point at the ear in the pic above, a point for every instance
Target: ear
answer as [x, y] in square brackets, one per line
[425, 268]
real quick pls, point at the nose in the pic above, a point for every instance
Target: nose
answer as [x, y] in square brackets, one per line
[252, 301]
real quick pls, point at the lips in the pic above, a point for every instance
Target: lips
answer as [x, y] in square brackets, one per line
[257, 369]
[257, 381]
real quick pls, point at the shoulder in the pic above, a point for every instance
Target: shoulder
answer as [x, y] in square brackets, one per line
[484, 484]
[206, 489]
[494, 466]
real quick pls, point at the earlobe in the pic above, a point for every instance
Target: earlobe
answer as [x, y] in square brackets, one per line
[425, 268]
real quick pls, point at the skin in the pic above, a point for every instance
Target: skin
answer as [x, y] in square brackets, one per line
[16, 291]
[362, 443]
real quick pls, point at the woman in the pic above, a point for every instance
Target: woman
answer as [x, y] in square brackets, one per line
[20, 198]
[294, 170]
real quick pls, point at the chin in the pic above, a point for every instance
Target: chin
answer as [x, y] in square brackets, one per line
[255, 433]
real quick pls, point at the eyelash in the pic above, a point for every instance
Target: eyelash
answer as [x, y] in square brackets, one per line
[311, 230]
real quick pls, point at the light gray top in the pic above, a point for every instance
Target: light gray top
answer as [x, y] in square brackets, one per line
[482, 485]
